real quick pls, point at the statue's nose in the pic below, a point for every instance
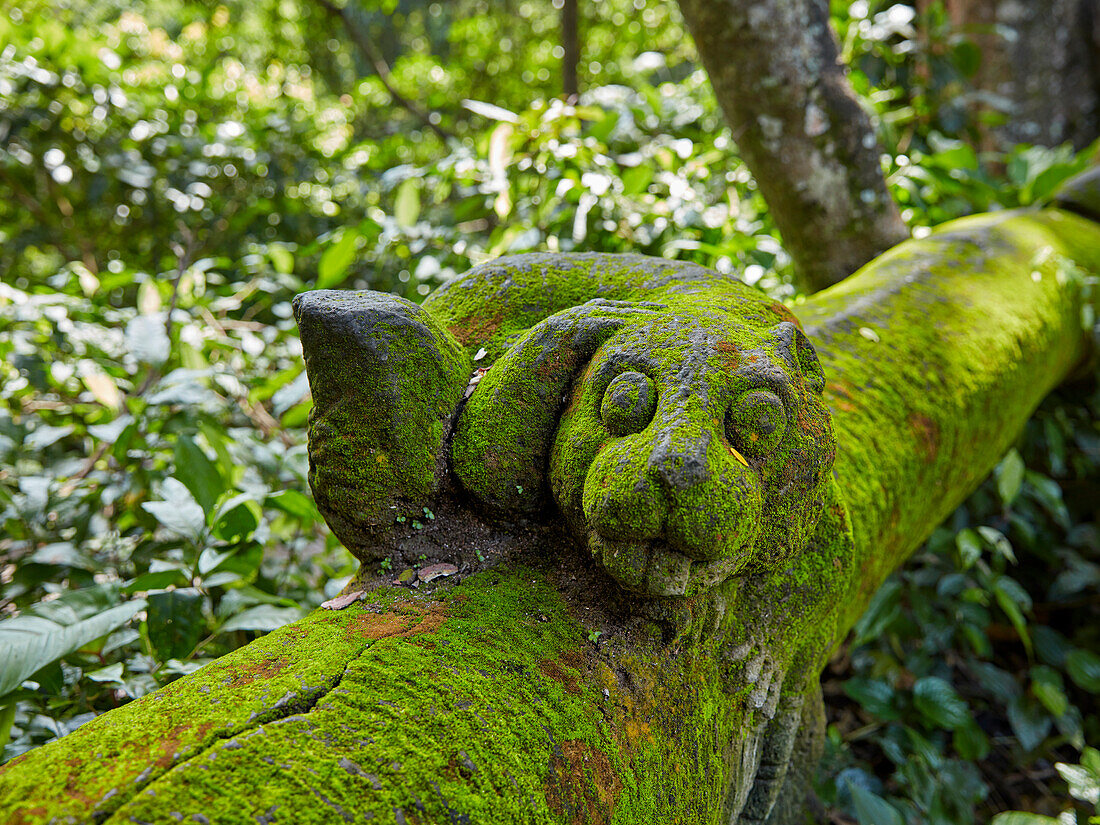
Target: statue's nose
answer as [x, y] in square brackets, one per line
[679, 456]
[713, 501]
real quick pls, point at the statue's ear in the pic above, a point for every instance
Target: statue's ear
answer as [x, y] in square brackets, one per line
[386, 380]
[796, 348]
[502, 442]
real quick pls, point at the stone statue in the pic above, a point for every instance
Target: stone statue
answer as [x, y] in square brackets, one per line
[663, 500]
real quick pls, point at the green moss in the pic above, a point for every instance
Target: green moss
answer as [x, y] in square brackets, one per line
[936, 354]
[98, 767]
[479, 703]
[485, 701]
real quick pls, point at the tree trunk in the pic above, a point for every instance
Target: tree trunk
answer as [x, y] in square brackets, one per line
[1043, 61]
[775, 68]
[537, 690]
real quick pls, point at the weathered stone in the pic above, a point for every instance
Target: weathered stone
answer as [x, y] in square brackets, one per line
[676, 678]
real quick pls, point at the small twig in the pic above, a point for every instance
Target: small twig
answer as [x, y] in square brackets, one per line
[381, 68]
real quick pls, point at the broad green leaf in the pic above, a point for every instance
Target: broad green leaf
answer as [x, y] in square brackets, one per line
[872, 809]
[155, 581]
[1083, 783]
[29, 643]
[1010, 477]
[939, 703]
[262, 617]
[637, 179]
[970, 742]
[1030, 722]
[111, 673]
[295, 504]
[1022, 818]
[198, 473]
[873, 695]
[1046, 684]
[175, 622]
[970, 547]
[337, 257]
[1083, 667]
[179, 512]
[237, 518]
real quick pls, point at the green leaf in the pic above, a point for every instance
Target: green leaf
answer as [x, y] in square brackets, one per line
[238, 518]
[1090, 758]
[1022, 818]
[29, 643]
[198, 473]
[872, 809]
[281, 258]
[880, 613]
[295, 504]
[970, 547]
[1046, 684]
[637, 179]
[175, 622]
[939, 703]
[406, 207]
[1083, 667]
[1049, 494]
[155, 581]
[1011, 597]
[111, 673]
[262, 617]
[1083, 783]
[873, 695]
[999, 542]
[1030, 722]
[7, 716]
[179, 512]
[1010, 477]
[335, 260]
[970, 742]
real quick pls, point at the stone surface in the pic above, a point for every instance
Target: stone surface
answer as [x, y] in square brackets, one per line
[534, 685]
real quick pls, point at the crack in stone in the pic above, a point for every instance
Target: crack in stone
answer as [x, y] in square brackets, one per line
[290, 704]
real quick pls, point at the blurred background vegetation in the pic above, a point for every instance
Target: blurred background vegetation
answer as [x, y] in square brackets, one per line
[173, 172]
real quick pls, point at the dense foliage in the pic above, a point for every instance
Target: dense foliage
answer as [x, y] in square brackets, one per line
[177, 173]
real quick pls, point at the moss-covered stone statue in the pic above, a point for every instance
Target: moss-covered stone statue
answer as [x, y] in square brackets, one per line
[671, 415]
[662, 499]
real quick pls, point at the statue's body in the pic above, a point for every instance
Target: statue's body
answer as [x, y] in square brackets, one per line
[672, 416]
[612, 448]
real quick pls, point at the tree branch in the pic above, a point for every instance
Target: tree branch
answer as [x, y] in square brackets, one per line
[775, 68]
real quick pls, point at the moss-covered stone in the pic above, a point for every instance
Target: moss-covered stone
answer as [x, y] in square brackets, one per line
[727, 469]
[386, 380]
[537, 691]
[936, 354]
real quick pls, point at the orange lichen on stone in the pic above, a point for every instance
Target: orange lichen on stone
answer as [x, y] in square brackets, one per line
[582, 786]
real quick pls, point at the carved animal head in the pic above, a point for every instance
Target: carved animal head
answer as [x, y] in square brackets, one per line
[684, 441]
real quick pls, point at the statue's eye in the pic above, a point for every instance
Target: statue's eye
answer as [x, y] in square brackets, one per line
[628, 403]
[756, 422]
